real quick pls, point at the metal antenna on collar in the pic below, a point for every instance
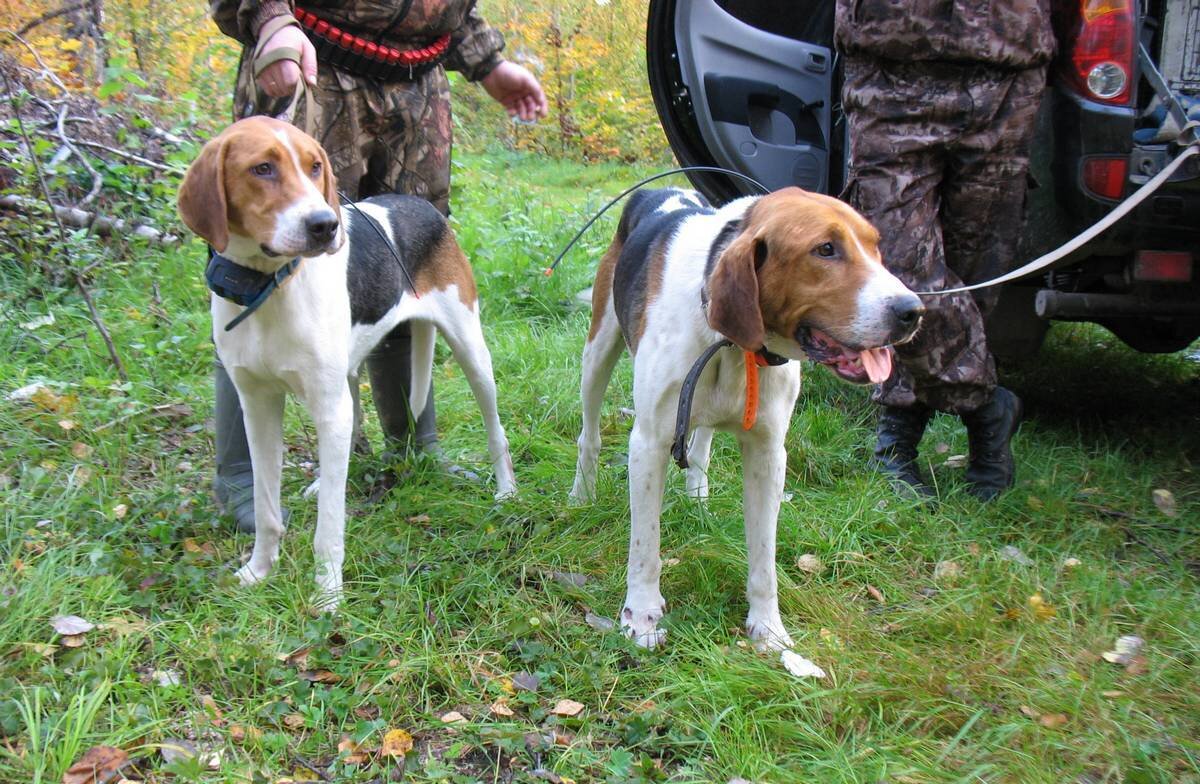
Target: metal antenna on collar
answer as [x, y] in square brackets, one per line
[640, 183]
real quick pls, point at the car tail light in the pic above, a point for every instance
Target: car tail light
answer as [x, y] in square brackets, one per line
[1162, 266]
[1100, 49]
[1105, 177]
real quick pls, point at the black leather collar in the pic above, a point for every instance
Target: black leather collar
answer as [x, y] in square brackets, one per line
[683, 415]
[242, 285]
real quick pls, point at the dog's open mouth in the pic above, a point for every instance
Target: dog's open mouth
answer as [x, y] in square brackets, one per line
[870, 365]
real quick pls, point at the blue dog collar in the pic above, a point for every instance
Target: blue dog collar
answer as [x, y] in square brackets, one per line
[244, 286]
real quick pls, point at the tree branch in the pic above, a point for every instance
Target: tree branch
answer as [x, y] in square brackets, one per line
[46, 17]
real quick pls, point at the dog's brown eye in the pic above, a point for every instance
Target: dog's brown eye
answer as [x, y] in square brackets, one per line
[263, 170]
[316, 170]
[825, 250]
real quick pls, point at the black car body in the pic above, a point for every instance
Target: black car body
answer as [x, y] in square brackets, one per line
[753, 85]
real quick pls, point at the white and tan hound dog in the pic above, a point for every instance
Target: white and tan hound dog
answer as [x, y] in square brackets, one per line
[262, 193]
[793, 274]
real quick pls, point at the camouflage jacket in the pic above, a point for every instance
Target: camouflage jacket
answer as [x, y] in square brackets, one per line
[1003, 33]
[474, 49]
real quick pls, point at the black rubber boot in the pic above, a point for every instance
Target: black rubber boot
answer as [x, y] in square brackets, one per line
[233, 485]
[990, 467]
[389, 366]
[896, 438]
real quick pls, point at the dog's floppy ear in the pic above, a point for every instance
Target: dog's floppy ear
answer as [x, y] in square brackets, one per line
[329, 184]
[202, 203]
[733, 308]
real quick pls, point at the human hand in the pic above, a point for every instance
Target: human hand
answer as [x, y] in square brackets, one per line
[278, 79]
[517, 90]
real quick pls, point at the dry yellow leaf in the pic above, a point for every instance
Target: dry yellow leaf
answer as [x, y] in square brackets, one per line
[120, 510]
[1053, 720]
[1042, 610]
[73, 641]
[498, 708]
[293, 721]
[190, 545]
[453, 717]
[353, 753]
[397, 743]
[81, 450]
[567, 708]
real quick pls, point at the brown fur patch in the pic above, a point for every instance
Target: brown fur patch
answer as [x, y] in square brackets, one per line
[795, 286]
[447, 266]
[654, 281]
[602, 288]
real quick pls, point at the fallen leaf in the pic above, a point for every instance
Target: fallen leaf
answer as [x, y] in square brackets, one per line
[1071, 563]
[567, 708]
[599, 622]
[1124, 650]
[367, 712]
[453, 717]
[241, 734]
[71, 624]
[353, 753]
[956, 461]
[49, 400]
[38, 322]
[810, 563]
[120, 510]
[941, 448]
[1053, 720]
[207, 549]
[499, 708]
[81, 451]
[319, 676]
[948, 571]
[1165, 501]
[68, 424]
[876, 594]
[570, 579]
[1010, 553]
[525, 681]
[420, 519]
[671, 562]
[176, 749]
[293, 721]
[73, 641]
[98, 765]
[1029, 712]
[799, 666]
[173, 410]
[397, 743]
[1042, 610]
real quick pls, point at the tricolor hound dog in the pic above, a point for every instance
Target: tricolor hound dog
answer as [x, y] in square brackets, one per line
[262, 194]
[790, 274]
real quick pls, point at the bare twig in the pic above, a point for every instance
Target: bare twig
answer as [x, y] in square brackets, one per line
[82, 219]
[97, 180]
[130, 156]
[62, 234]
[45, 69]
[46, 17]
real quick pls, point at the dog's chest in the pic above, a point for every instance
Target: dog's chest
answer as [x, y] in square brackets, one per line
[720, 398]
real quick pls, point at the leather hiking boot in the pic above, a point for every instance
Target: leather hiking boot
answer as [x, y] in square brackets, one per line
[233, 486]
[990, 467]
[896, 438]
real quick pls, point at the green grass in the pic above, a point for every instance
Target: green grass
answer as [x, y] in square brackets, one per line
[451, 594]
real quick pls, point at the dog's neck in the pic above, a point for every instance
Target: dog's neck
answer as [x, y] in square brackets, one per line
[246, 252]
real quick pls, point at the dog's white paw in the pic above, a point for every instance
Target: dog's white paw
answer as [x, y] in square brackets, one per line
[641, 626]
[327, 601]
[329, 589]
[505, 490]
[250, 574]
[768, 634]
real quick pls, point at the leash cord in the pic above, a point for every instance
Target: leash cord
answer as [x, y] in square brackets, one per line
[683, 415]
[640, 183]
[412, 284]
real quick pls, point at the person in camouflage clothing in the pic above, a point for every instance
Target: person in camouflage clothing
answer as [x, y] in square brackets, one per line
[940, 98]
[385, 130]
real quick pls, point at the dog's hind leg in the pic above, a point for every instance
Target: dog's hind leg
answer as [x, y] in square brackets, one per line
[464, 332]
[333, 414]
[600, 355]
[644, 604]
[699, 449]
[263, 414]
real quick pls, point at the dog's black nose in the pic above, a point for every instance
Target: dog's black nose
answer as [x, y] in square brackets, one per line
[907, 311]
[321, 227]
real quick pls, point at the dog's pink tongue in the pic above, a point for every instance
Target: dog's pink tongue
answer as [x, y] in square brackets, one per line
[878, 364]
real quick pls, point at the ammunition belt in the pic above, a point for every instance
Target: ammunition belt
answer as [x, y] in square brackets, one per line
[360, 57]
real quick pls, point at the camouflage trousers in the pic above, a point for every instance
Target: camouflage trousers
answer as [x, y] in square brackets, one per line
[392, 137]
[939, 155]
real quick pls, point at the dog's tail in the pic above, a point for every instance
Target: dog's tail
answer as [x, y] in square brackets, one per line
[423, 335]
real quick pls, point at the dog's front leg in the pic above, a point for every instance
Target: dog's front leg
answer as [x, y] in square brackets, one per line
[262, 412]
[334, 419]
[644, 604]
[699, 449]
[763, 463]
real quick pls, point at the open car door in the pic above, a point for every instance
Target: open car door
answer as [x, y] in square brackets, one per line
[748, 85]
